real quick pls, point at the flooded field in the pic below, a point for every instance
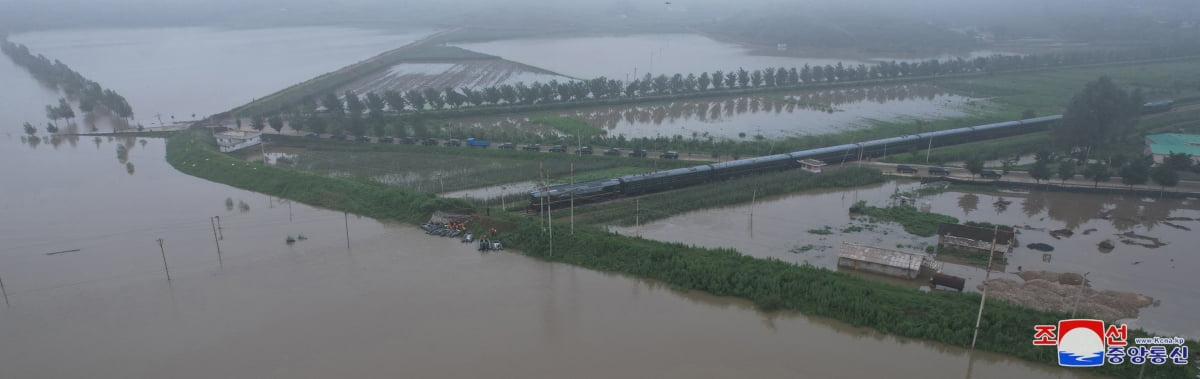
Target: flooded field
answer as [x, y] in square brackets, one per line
[472, 73]
[202, 71]
[395, 303]
[629, 57]
[774, 115]
[784, 228]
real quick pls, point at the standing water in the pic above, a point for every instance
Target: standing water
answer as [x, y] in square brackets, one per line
[396, 302]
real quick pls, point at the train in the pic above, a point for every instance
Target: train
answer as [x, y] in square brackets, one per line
[563, 195]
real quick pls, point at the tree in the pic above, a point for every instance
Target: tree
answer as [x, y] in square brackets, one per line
[276, 123]
[50, 128]
[1178, 161]
[434, 97]
[1097, 172]
[29, 129]
[257, 123]
[1098, 113]
[703, 81]
[1165, 177]
[52, 113]
[793, 78]
[1040, 171]
[756, 78]
[64, 109]
[718, 79]
[1136, 172]
[394, 100]
[453, 98]
[743, 77]
[416, 99]
[334, 105]
[375, 105]
[974, 164]
[354, 106]
[1066, 171]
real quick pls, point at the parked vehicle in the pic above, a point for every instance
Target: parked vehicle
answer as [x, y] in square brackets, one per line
[478, 143]
[508, 146]
[906, 169]
[940, 171]
[453, 142]
[338, 137]
[408, 140]
[613, 152]
[387, 139]
[669, 155]
[534, 147]
[991, 174]
[639, 153]
[558, 149]
[312, 135]
[585, 150]
[430, 142]
[363, 139]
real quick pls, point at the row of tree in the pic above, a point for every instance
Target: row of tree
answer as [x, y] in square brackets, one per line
[1136, 171]
[352, 106]
[90, 95]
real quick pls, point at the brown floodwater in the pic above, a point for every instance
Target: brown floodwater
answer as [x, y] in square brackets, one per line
[774, 115]
[781, 225]
[397, 303]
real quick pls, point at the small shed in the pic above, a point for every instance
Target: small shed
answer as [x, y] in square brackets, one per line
[233, 140]
[812, 165]
[974, 239]
[880, 261]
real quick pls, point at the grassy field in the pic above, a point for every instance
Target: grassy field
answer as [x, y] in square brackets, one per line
[444, 169]
[568, 125]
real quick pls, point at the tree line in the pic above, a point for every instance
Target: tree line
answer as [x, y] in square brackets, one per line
[90, 95]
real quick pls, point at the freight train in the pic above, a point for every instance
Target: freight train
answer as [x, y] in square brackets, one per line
[604, 189]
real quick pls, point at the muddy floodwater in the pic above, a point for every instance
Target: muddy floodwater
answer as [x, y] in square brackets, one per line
[775, 115]
[177, 72]
[88, 296]
[781, 229]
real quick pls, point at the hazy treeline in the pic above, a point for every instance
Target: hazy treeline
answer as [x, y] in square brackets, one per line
[90, 95]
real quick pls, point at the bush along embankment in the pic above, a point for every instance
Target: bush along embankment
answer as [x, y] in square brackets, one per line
[915, 222]
[945, 317]
[195, 153]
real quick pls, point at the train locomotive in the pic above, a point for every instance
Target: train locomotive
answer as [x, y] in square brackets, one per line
[564, 195]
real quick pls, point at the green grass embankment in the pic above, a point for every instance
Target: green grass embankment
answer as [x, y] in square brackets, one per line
[946, 317]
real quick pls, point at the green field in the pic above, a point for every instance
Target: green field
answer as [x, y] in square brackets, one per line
[445, 169]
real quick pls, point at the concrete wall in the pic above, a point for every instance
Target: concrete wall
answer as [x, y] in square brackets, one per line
[877, 268]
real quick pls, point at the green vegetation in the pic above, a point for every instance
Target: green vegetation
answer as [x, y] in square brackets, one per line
[945, 317]
[915, 222]
[444, 169]
[569, 125]
[974, 259]
[827, 230]
[734, 191]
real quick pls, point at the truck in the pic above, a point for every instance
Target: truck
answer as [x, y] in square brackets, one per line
[472, 142]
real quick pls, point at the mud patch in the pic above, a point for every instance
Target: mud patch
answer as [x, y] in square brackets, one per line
[1045, 290]
[1061, 233]
[1132, 238]
[1176, 226]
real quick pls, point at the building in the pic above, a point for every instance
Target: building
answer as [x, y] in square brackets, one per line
[884, 261]
[234, 140]
[1162, 145]
[975, 240]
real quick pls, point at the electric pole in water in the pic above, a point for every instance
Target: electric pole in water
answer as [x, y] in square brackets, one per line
[346, 216]
[164, 257]
[5, 292]
[988, 274]
[211, 220]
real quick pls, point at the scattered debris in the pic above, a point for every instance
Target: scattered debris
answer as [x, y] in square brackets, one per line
[1040, 247]
[1106, 246]
[1050, 294]
[1177, 226]
[1089, 231]
[64, 251]
[1060, 233]
[1180, 219]
[289, 240]
[1153, 243]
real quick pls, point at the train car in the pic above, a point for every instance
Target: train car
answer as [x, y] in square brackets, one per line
[664, 180]
[895, 145]
[832, 154]
[561, 195]
[740, 167]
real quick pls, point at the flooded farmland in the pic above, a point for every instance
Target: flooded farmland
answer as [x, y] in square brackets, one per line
[781, 229]
[395, 303]
[178, 72]
[772, 115]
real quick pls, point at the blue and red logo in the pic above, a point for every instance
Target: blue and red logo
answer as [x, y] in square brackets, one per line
[1081, 342]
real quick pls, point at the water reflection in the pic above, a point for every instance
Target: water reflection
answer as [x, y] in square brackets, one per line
[771, 115]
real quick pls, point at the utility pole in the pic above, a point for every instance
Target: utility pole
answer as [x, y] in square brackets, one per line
[572, 211]
[928, 150]
[164, 257]
[753, 196]
[550, 221]
[220, 230]
[983, 300]
[214, 228]
[346, 216]
[1080, 292]
[289, 210]
[637, 216]
[5, 292]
